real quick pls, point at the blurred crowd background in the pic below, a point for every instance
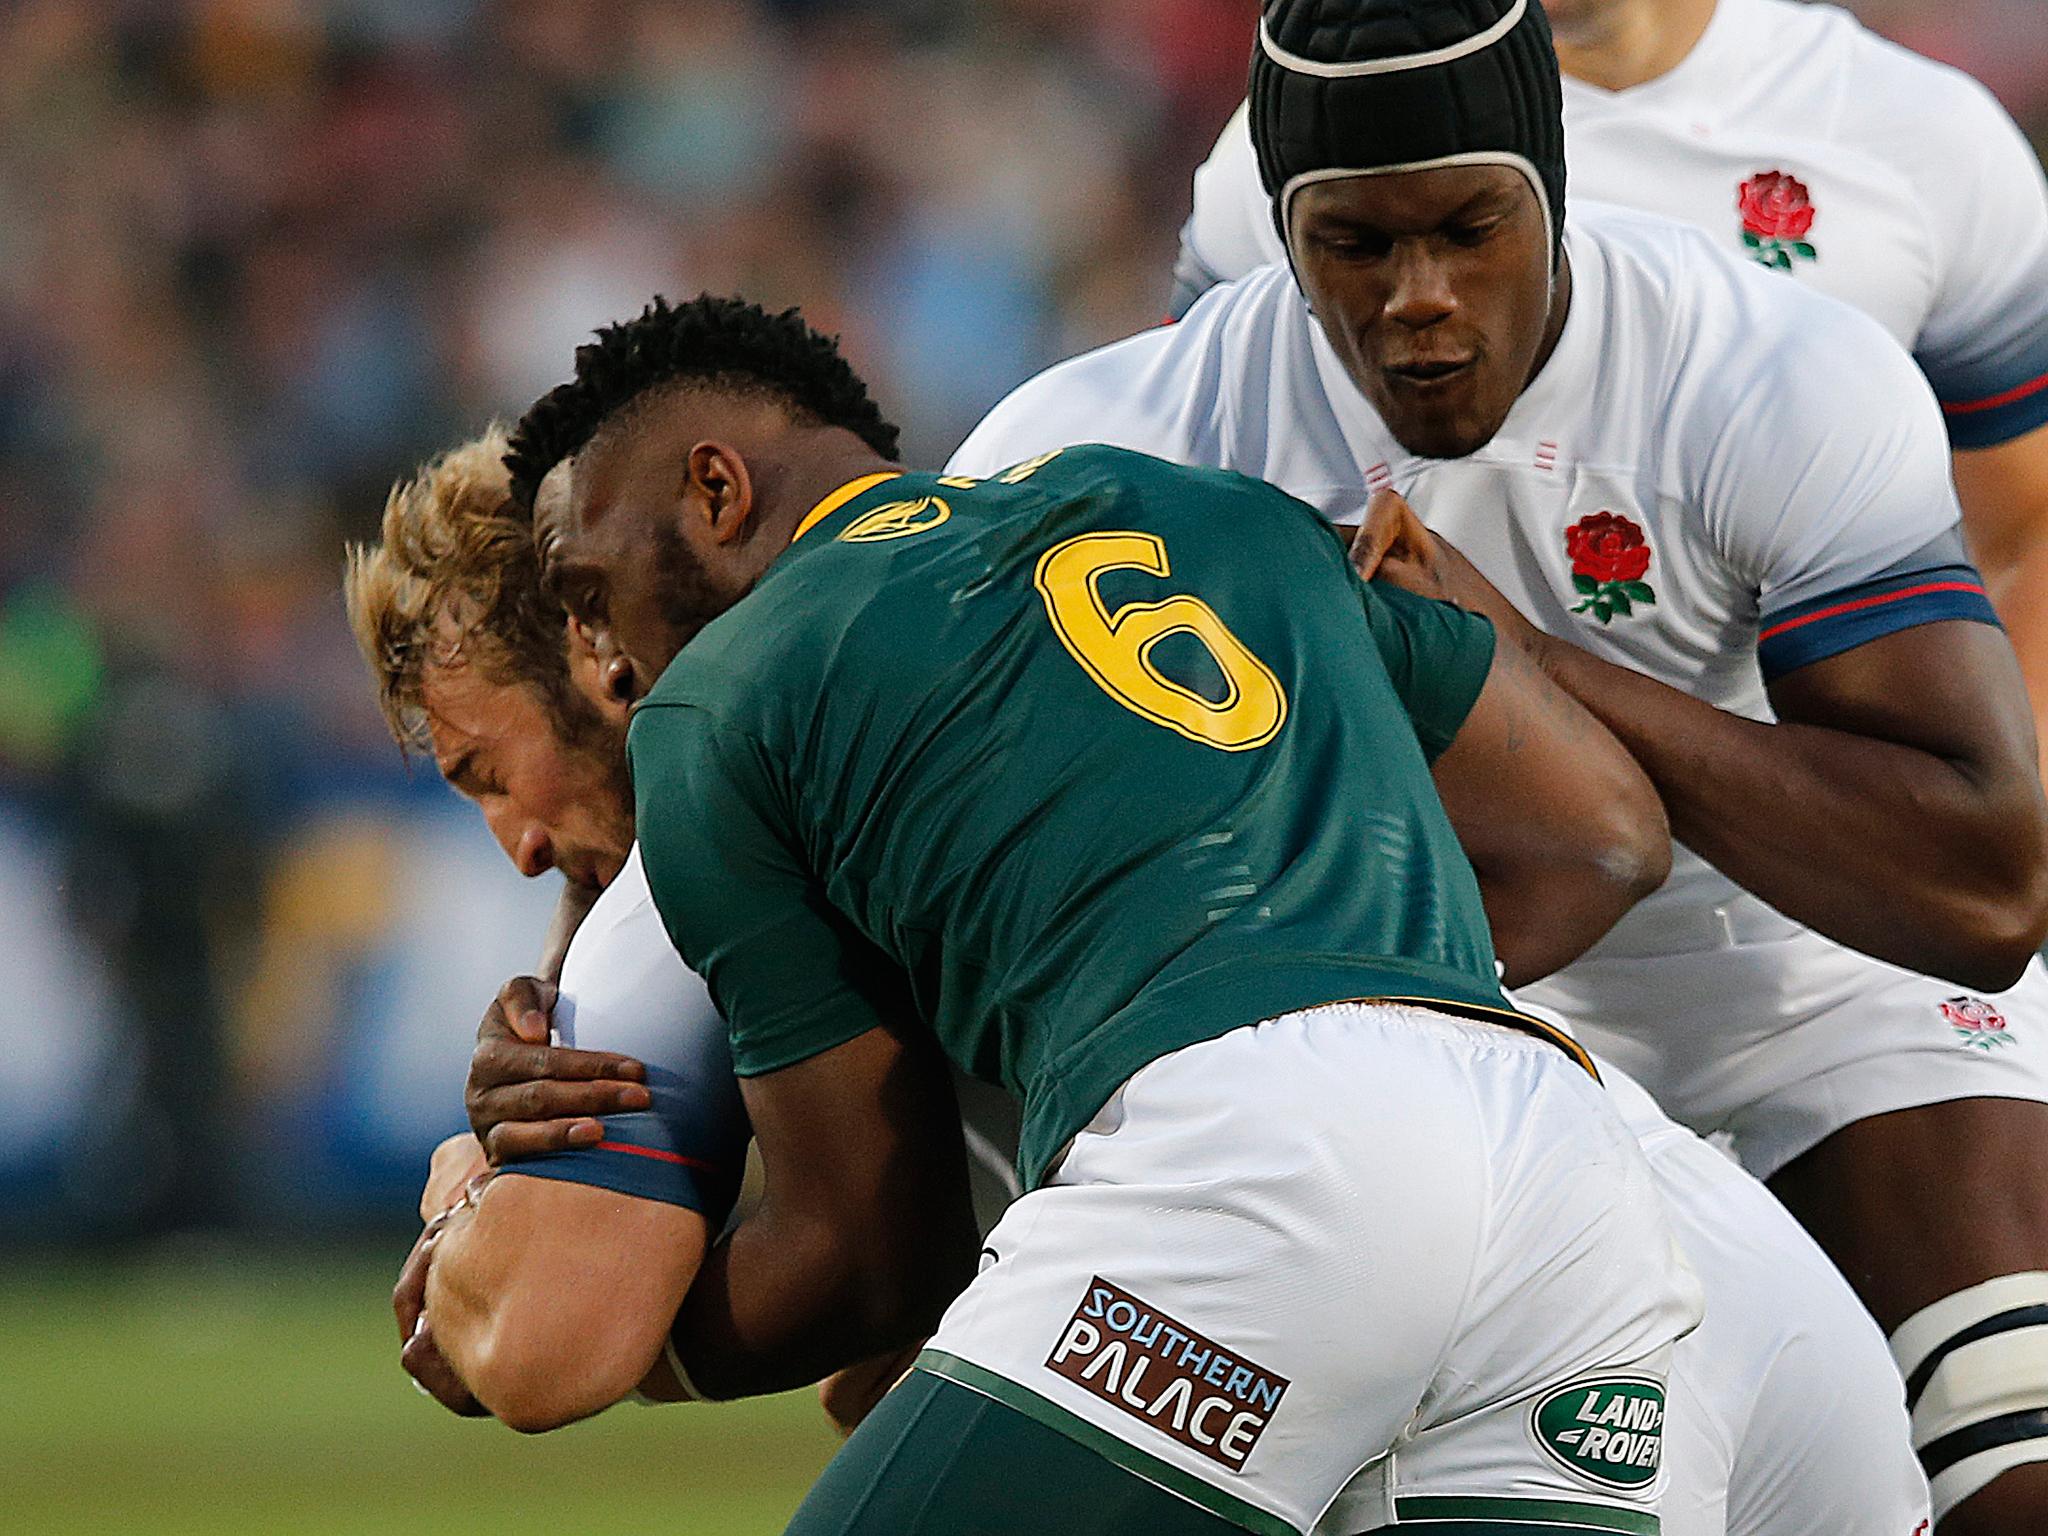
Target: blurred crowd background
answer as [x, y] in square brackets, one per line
[260, 257]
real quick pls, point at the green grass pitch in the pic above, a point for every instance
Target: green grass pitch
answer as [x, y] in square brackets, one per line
[251, 1394]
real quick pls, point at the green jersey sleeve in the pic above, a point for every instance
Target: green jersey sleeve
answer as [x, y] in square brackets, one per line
[791, 975]
[1437, 654]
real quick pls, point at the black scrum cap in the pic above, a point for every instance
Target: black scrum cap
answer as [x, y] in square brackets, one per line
[1358, 87]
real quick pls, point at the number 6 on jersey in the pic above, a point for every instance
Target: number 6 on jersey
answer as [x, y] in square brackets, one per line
[1116, 648]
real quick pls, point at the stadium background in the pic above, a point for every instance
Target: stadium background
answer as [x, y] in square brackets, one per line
[257, 258]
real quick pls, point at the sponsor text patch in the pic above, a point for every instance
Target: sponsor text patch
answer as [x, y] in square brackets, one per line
[1155, 1369]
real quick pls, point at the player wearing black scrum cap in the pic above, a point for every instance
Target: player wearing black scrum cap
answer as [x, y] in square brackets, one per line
[1719, 510]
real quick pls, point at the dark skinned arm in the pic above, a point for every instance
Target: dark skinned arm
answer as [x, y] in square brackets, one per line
[1895, 807]
[2004, 491]
[1562, 827]
[864, 1234]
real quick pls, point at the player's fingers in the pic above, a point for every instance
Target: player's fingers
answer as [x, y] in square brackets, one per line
[456, 1161]
[520, 1010]
[1414, 540]
[850, 1395]
[491, 1109]
[513, 1140]
[496, 1062]
[425, 1364]
[409, 1295]
[1377, 532]
[552, 1101]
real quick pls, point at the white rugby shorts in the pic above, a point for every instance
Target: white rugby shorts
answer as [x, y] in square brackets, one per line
[1359, 1236]
[1788, 1417]
[1844, 1037]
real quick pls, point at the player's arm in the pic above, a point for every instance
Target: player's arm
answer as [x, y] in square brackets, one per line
[1561, 826]
[865, 1231]
[1984, 345]
[551, 1301]
[2004, 492]
[864, 1234]
[1895, 806]
[551, 1297]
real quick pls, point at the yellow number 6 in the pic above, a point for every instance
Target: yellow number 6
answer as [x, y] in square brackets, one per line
[1116, 648]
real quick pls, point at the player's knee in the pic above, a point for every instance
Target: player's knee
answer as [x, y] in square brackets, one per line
[1976, 1369]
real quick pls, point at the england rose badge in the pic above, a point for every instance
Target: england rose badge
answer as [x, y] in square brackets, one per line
[1977, 1024]
[1777, 215]
[1610, 557]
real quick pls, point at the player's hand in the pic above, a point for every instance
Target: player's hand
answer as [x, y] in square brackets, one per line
[850, 1395]
[526, 1097]
[422, 1360]
[418, 1353]
[456, 1161]
[1393, 546]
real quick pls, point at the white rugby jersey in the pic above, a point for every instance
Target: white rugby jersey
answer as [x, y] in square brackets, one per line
[1717, 477]
[1793, 136]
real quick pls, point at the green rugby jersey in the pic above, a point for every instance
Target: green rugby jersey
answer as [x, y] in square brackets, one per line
[1078, 764]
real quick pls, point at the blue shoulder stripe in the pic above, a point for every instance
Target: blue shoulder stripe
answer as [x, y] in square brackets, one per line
[690, 1149]
[1997, 418]
[1842, 620]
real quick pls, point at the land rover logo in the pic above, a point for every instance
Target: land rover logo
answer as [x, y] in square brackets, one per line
[1609, 1430]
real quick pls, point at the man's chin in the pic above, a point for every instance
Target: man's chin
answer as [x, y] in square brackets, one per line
[1452, 433]
[603, 869]
[1440, 440]
[1454, 429]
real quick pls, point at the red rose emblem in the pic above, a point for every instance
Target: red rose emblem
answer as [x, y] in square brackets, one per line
[1609, 559]
[1607, 548]
[1776, 206]
[1777, 213]
[1972, 1014]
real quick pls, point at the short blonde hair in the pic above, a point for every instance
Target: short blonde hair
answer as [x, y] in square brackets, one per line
[456, 582]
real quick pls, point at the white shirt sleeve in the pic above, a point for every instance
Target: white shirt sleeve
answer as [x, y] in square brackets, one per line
[1826, 481]
[1125, 395]
[1985, 344]
[1231, 230]
[624, 988]
[1831, 464]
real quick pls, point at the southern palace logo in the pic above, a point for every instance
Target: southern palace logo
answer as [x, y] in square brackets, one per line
[1163, 1372]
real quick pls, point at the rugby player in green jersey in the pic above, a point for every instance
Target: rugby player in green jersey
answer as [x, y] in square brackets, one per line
[1108, 780]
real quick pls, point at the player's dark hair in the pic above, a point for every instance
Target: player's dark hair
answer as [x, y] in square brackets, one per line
[726, 344]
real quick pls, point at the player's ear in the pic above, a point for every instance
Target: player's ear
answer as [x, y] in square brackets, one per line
[719, 490]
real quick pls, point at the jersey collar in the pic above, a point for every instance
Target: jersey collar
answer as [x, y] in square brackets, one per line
[840, 498]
